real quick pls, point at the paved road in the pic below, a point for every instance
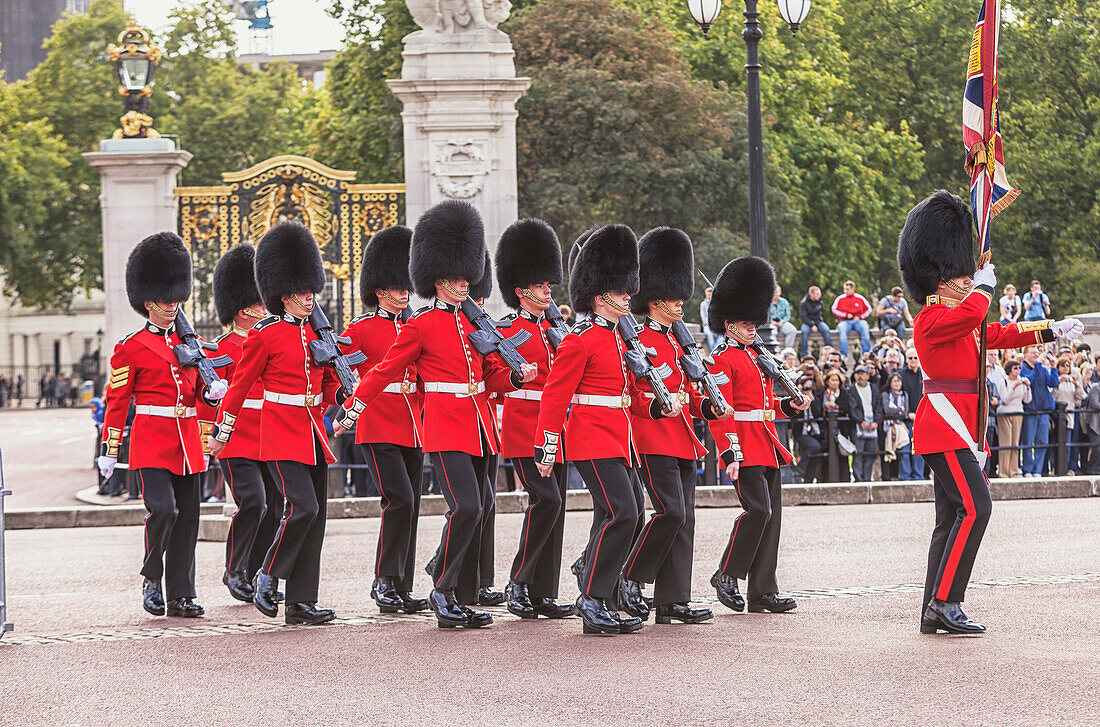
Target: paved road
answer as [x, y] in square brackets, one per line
[84, 652]
[47, 455]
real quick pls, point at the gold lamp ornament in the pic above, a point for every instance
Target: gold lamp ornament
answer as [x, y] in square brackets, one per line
[135, 58]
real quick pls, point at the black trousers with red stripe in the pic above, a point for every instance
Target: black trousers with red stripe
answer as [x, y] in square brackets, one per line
[171, 529]
[487, 566]
[397, 471]
[963, 506]
[616, 512]
[464, 478]
[295, 555]
[256, 495]
[662, 554]
[538, 561]
[753, 549]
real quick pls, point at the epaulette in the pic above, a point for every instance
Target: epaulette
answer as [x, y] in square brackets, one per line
[720, 348]
[508, 320]
[585, 325]
[421, 311]
[222, 337]
[266, 322]
[129, 335]
[363, 317]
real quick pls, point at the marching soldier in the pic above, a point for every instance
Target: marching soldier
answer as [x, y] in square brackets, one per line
[293, 443]
[446, 254]
[389, 429]
[259, 503]
[752, 453]
[166, 452]
[936, 258]
[590, 373]
[528, 262]
[667, 447]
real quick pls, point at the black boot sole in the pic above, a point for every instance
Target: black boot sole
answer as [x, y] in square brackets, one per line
[522, 613]
[630, 629]
[301, 621]
[931, 627]
[665, 620]
[555, 616]
[413, 609]
[270, 612]
[762, 609]
[153, 611]
[600, 630]
[737, 607]
[237, 594]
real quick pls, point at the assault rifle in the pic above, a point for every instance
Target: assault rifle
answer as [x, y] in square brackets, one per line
[191, 353]
[487, 338]
[326, 351]
[558, 329]
[694, 363]
[637, 360]
[774, 370]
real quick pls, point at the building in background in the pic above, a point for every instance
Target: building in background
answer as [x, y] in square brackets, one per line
[24, 24]
[311, 66]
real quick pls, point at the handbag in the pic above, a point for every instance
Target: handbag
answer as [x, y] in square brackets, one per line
[846, 445]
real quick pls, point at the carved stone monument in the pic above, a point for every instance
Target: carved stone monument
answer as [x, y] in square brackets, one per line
[459, 90]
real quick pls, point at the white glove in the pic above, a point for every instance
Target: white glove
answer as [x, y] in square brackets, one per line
[986, 276]
[106, 465]
[217, 390]
[1069, 328]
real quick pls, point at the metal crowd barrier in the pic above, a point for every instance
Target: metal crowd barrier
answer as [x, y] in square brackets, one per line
[5, 625]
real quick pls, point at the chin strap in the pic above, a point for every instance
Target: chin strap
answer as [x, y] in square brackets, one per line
[606, 298]
[301, 304]
[160, 311]
[446, 285]
[395, 301]
[526, 293]
[251, 312]
[956, 287]
[668, 311]
[731, 331]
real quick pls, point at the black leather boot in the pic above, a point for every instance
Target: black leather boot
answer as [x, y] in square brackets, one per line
[949, 616]
[577, 569]
[486, 596]
[726, 587]
[184, 608]
[152, 598]
[429, 567]
[308, 613]
[595, 616]
[669, 612]
[550, 608]
[410, 604]
[238, 586]
[385, 595]
[519, 601]
[263, 594]
[475, 619]
[446, 610]
[630, 598]
[627, 624]
[771, 602]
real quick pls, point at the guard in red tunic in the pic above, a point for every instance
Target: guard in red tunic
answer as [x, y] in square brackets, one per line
[667, 447]
[292, 431]
[166, 452]
[447, 252]
[936, 258]
[259, 502]
[389, 429]
[590, 380]
[528, 262]
[751, 451]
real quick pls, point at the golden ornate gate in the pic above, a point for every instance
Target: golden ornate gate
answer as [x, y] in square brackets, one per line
[341, 214]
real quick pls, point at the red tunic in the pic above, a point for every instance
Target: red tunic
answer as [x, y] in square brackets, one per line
[945, 334]
[748, 390]
[521, 411]
[394, 417]
[245, 442]
[670, 436]
[143, 366]
[591, 363]
[276, 353]
[435, 340]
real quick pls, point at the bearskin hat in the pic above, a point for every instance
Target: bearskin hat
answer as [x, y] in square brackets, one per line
[666, 263]
[448, 243]
[235, 282]
[158, 269]
[528, 253]
[385, 263]
[577, 245]
[484, 287]
[936, 244]
[288, 261]
[743, 291]
[606, 263]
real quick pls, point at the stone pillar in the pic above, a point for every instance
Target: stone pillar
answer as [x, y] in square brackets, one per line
[136, 197]
[459, 93]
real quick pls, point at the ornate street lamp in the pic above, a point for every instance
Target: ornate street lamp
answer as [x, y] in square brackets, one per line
[135, 58]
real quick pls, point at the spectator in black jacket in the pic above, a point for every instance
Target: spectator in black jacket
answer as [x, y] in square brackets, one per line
[835, 397]
[812, 312]
[867, 415]
[809, 434]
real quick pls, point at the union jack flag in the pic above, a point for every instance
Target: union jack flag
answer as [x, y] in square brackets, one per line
[990, 191]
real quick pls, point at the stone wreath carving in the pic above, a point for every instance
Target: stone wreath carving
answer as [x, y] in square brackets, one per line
[460, 168]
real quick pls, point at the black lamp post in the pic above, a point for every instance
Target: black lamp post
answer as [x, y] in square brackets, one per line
[705, 12]
[135, 58]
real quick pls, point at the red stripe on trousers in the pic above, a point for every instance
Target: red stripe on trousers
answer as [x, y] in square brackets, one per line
[527, 529]
[737, 522]
[282, 528]
[386, 504]
[229, 469]
[645, 531]
[145, 521]
[446, 542]
[964, 528]
[596, 554]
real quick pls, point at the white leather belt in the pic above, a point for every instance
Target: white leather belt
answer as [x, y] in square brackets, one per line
[610, 402]
[450, 387]
[293, 399]
[400, 387]
[756, 415]
[171, 412]
[533, 395]
[253, 404]
[680, 396]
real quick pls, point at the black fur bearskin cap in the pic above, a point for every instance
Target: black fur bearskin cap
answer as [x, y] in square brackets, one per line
[484, 287]
[577, 245]
[666, 263]
[158, 269]
[385, 263]
[743, 291]
[235, 282]
[448, 243]
[288, 261]
[936, 243]
[528, 253]
[606, 263]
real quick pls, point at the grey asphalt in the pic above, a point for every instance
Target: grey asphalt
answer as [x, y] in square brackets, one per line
[47, 455]
[85, 653]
